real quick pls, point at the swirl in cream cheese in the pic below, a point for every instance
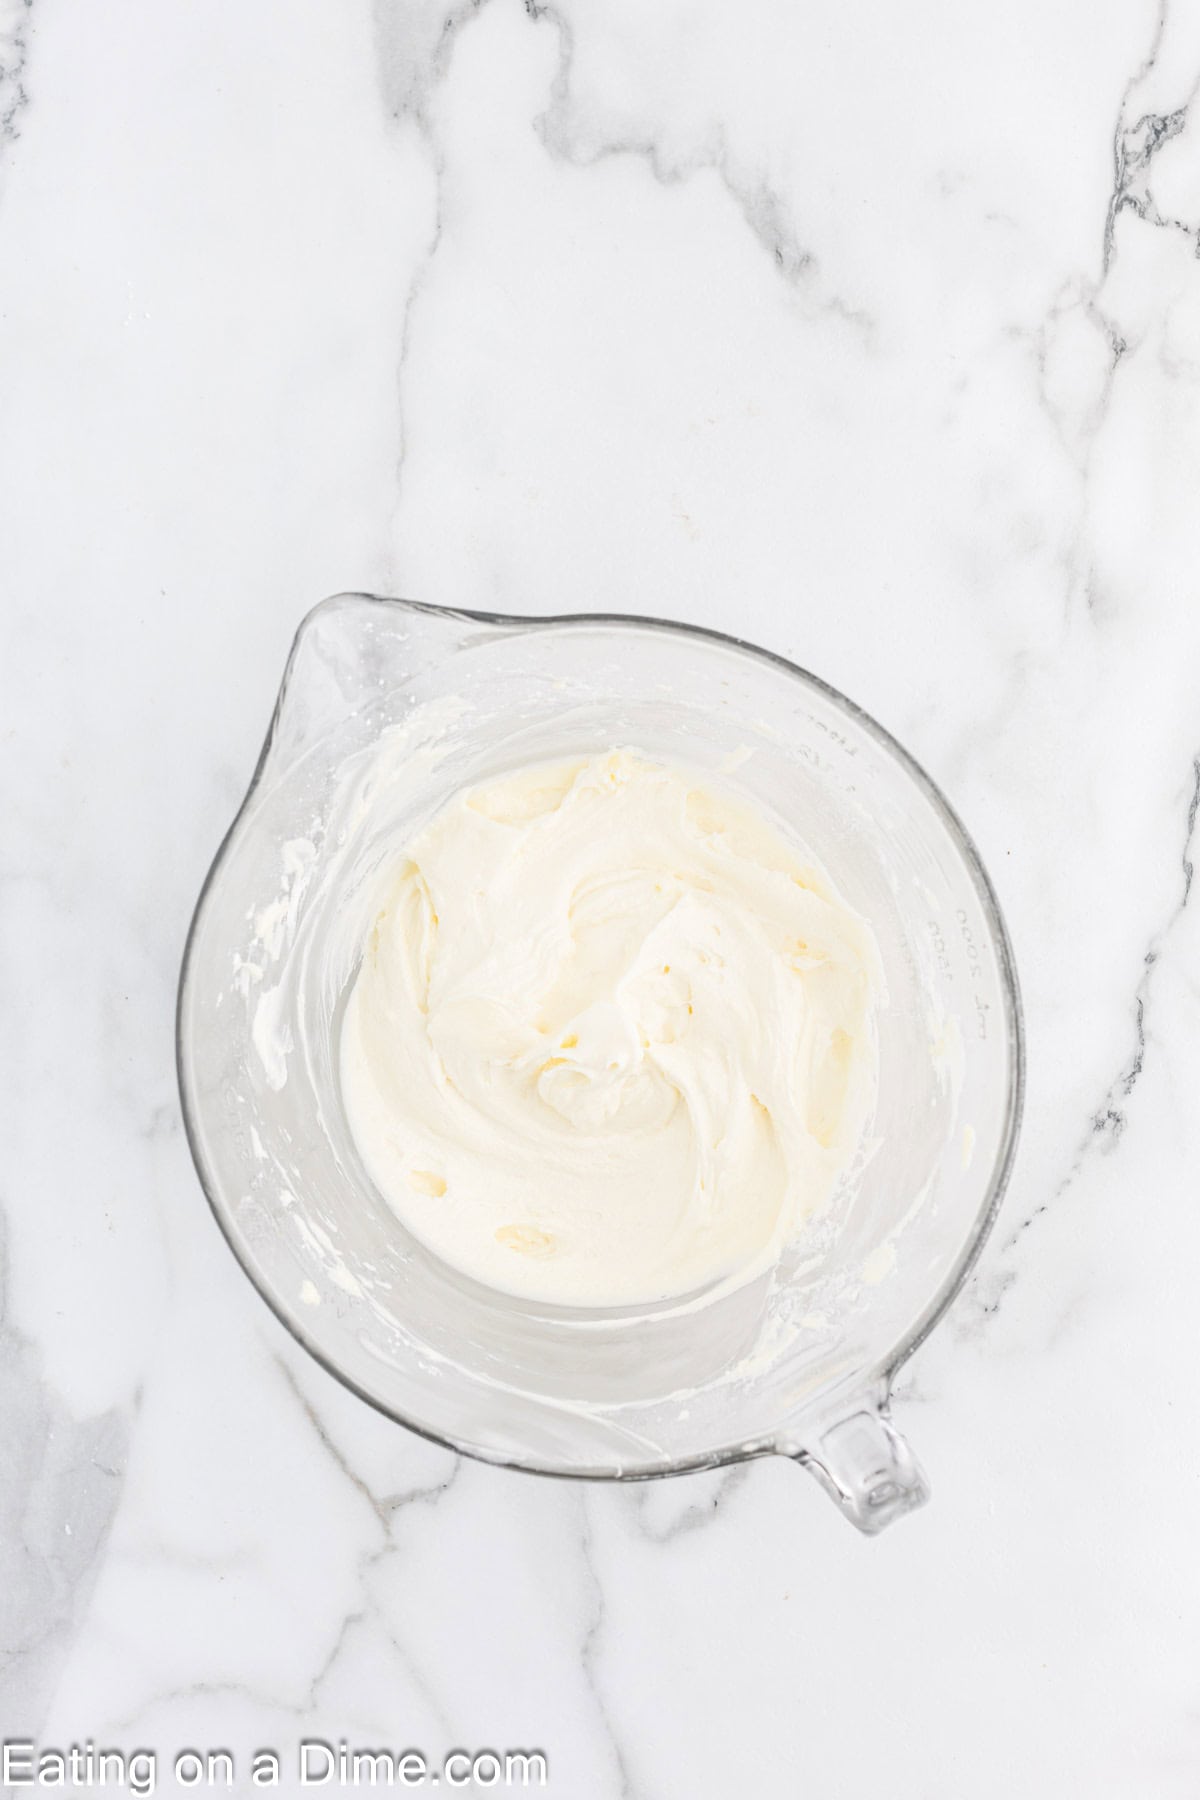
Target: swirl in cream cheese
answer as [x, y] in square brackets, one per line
[611, 1039]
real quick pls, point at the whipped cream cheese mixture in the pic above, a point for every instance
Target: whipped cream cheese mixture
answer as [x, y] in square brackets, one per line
[611, 1040]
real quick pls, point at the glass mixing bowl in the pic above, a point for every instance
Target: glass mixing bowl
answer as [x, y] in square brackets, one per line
[386, 709]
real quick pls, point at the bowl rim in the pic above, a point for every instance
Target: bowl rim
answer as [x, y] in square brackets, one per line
[876, 1377]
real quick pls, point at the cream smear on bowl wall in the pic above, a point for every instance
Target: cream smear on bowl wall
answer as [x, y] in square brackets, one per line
[612, 1037]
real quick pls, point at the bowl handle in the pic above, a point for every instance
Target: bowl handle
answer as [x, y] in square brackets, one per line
[866, 1466]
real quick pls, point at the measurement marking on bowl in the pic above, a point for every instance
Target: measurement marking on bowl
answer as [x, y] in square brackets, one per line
[940, 952]
[975, 966]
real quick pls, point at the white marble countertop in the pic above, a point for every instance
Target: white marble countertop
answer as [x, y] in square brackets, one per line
[870, 334]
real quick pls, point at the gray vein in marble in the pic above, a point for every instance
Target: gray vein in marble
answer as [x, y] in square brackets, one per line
[371, 1612]
[304, 1709]
[415, 42]
[1109, 1120]
[15, 16]
[162, 1123]
[366, 1611]
[1076, 431]
[327, 1443]
[385, 1506]
[693, 1518]
[1189, 867]
[1078, 420]
[414, 48]
[1115, 203]
[1141, 144]
[424, 1494]
[349, 1624]
[360, 1621]
[152, 1552]
[416, 289]
[139, 1718]
[63, 1481]
[589, 1654]
[763, 208]
[1136, 144]
[1077, 427]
